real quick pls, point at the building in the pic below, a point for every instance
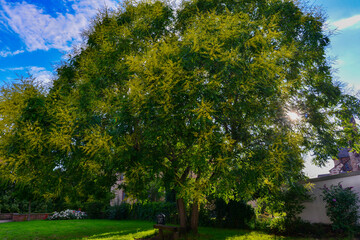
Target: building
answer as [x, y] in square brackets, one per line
[315, 209]
[347, 159]
[120, 195]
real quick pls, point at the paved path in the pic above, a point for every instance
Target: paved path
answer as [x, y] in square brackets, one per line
[4, 221]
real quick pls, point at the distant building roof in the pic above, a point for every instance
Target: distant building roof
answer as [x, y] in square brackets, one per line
[323, 175]
[343, 153]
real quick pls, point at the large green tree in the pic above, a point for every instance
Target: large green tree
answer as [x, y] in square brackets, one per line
[197, 98]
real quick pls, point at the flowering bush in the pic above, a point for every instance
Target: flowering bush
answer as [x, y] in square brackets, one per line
[341, 207]
[68, 214]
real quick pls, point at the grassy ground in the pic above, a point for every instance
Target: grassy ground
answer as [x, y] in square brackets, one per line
[75, 229]
[110, 230]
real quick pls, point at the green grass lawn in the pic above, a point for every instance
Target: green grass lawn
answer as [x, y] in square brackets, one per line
[76, 229]
[110, 230]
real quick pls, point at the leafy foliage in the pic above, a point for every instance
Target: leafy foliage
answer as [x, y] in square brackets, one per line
[95, 209]
[194, 99]
[286, 204]
[234, 214]
[24, 159]
[119, 212]
[39, 151]
[342, 206]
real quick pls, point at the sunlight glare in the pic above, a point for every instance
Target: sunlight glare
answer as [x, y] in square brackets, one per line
[294, 116]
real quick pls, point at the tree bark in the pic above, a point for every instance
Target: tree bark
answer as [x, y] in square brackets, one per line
[182, 214]
[29, 213]
[195, 217]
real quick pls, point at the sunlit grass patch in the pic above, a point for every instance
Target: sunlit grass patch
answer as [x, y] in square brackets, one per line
[206, 233]
[121, 235]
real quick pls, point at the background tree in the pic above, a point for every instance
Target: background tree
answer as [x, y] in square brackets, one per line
[40, 150]
[24, 162]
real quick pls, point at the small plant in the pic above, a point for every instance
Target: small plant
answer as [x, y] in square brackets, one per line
[67, 214]
[341, 207]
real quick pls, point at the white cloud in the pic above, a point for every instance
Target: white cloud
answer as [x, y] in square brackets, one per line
[175, 3]
[41, 75]
[41, 31]
[16, 69]
[347, 22]
[6, 53]
[12, 69]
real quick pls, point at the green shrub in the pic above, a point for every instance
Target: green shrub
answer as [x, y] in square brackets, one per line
[95, 209]
[119, 212]
[14, 205]
[293, 198]
[341, 207]
[143, 211]
[234, 214]
[207, 215]
[149, 211]
[279, 210]
[9, 204]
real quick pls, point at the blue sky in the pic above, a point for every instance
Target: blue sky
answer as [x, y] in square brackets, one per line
[344, 15]
[35, 35]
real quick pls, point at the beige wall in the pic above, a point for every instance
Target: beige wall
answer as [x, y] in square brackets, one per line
[315, 211]
[119, 193]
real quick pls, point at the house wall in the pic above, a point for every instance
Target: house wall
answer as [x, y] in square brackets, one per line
[119, 193]
[315, 211]
[119, 197]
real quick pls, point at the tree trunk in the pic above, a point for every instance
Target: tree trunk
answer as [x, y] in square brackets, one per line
[29, 214]
[182, 214]
[195, 217]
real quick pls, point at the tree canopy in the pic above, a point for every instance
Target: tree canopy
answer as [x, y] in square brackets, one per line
[196, 98]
